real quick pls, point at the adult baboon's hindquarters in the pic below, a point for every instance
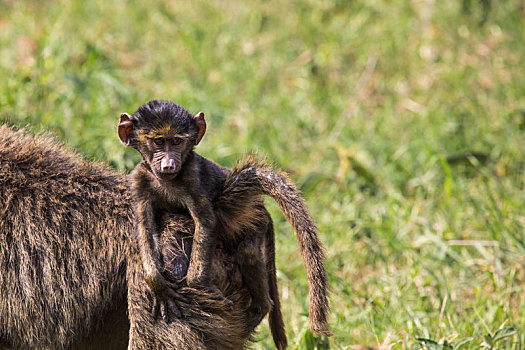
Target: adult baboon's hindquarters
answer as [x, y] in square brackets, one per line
[65, 241]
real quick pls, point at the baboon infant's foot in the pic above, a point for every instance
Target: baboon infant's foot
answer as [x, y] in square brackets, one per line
[165, 297]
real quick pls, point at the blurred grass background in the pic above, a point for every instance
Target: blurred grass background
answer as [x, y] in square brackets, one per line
[402, 122]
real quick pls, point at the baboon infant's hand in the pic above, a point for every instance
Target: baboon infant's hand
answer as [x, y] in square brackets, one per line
[165, 297]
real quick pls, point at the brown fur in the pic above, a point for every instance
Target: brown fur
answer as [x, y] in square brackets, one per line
[69, 264]
[63, 247]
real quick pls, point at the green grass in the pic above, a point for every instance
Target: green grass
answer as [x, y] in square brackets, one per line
[376, 108]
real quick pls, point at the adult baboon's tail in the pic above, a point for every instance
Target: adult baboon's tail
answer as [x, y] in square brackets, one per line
[251, 178]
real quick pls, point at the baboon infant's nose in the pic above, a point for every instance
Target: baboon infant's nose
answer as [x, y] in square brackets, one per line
[167, 165]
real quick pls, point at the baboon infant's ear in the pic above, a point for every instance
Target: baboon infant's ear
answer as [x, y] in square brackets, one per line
[201, 125]
[125, 127]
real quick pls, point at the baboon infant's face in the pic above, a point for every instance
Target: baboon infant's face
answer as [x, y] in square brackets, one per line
[166, 153]
[164, 133]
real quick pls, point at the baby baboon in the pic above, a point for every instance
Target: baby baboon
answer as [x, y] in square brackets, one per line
[172, 177]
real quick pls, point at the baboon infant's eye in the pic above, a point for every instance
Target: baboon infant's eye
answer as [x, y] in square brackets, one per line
[159, 142]
[177, 141]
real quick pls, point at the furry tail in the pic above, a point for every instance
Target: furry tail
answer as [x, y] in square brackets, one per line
[251, 178]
